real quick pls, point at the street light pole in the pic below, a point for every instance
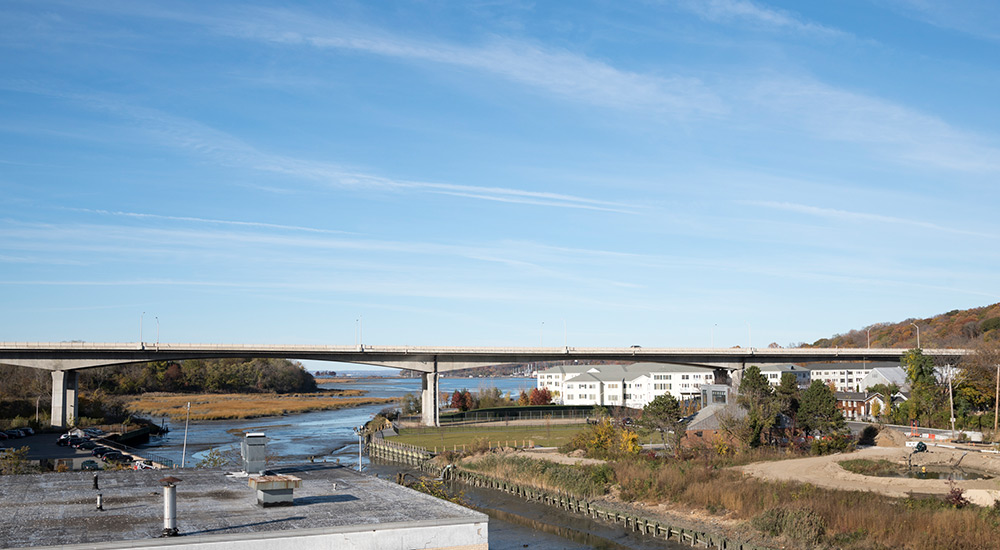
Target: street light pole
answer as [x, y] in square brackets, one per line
[157, 331]
[140, 327]
[869, 338]
[713, 334]
[918, 334]
[541, 332]
[184, 448]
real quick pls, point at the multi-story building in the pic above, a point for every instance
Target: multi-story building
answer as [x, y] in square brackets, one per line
[773, 373]
[632, 385]
[844, 377]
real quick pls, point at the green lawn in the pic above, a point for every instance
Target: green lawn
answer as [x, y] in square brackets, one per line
[449, 437]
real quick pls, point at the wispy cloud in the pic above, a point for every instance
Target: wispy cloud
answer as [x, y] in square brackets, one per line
[261, 225]
[974, 17]
[753, 14]
[566, 74]
[832, 213]
[906, 135]
[229, 150]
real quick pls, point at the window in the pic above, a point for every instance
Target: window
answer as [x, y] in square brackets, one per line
[684, 377]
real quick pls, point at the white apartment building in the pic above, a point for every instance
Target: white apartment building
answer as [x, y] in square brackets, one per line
[773, 373]
[844, 377]
[623, 385]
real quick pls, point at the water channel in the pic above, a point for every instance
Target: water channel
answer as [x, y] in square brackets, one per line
[329, 436]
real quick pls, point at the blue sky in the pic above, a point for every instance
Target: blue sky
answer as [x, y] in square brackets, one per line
[675, 173]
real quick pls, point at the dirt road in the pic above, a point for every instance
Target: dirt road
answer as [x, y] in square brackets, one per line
[824, 471]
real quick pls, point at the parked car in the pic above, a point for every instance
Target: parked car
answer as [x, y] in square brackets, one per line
[99, 450]
[93, 432]
[87, 445]
[74, 441]
[115, 456]
[90, 465]
[4, 436]
[14, 434]
[27, 431]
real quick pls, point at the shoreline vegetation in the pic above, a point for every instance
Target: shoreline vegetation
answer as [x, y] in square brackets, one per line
[229, 406]
[709, 493]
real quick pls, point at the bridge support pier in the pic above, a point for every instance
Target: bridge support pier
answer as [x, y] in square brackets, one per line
[430, 395]
[65, 385]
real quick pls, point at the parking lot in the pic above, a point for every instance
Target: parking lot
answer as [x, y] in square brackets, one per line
[43, 447]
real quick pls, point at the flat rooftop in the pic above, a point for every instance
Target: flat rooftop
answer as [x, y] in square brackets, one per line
[58, 509]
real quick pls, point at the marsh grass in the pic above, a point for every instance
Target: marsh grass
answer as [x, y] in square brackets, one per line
[212, 406]
[868, 467]
[581, 481]
[803, 515]
[853, 520]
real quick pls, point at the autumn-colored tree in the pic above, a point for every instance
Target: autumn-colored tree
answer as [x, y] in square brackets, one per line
[540, 396]
[522, 399]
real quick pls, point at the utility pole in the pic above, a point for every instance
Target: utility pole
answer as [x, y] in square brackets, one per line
[996, 406]
[951, 401]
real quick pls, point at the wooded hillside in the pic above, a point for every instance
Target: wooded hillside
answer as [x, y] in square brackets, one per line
[954, 329]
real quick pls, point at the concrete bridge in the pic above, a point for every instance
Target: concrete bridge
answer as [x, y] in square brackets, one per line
[64, 359]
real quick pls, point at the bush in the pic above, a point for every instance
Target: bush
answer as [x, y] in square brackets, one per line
[867, 436]
[799, 524]
[605, 440]
[831, 444]
[956, 496]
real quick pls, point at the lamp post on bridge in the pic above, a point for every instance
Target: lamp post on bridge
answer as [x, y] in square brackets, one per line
[157, 332]
[918, 334]
[143, 314]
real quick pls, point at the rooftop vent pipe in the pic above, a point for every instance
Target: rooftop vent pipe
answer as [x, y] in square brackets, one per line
[169, 506]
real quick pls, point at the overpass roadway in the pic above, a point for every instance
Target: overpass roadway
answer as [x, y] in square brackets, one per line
[65, 358]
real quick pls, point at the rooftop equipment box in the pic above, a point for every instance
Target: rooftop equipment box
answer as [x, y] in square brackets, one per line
[254, 450]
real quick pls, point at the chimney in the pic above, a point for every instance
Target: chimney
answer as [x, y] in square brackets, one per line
[254, 450]
[169, 506]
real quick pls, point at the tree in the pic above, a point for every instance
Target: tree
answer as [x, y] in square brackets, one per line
[540, 396]
[920, 371]
[818, 411]
[522, 399]
[462, 400]
[976, 380]
[919, 368]
[757, 397]
[787, 394]
[664, 415]
[15, 461]
[410, 404]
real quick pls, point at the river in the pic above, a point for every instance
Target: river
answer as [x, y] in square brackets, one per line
[329, 436]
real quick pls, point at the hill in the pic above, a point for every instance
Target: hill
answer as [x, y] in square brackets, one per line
[965, 328]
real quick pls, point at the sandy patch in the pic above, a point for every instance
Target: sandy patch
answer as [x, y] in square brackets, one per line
[824, 471]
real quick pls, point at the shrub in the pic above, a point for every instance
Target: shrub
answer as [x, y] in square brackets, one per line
[867, 436]
[956, 496]
[799, 524]
[605, 440]
[831, 444]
